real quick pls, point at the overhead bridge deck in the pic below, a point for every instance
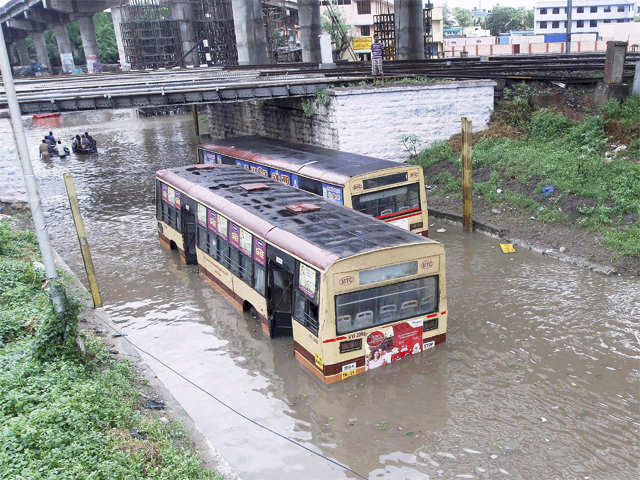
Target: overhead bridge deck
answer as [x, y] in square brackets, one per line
[233, 84]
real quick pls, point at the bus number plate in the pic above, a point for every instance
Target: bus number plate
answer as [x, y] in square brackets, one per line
[428, 345]
[348, 370]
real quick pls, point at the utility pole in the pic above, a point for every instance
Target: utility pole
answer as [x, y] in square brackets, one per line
[57, 295]
[569, 15]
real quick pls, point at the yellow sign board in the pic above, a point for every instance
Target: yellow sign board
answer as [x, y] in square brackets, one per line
[362, 43]
[318, 359]
[507, 248]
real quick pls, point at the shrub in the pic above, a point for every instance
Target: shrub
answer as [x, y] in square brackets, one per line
[516, 108]
[548, 124]
[437, 152]
[627, 112]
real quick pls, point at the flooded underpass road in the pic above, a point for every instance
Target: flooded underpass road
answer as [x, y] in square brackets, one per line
[538, 379]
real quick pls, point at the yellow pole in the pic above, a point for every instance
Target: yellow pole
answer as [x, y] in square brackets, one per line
[82, 239]
[467, 185]
[194, 110]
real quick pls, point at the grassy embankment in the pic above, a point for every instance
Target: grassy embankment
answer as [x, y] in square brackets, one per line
[64, 414]
[597, 184]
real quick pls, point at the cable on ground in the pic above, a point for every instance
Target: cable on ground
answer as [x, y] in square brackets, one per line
[247, 418]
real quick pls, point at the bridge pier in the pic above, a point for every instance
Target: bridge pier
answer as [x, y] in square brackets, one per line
[310, 30]
[183, 13]
[116, 18]
[250, 34]
[89, 42]
[409, 29]
[23, 51]
[64, 47]
[42, 54]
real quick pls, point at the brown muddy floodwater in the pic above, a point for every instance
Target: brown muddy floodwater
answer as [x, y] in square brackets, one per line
[539, 378]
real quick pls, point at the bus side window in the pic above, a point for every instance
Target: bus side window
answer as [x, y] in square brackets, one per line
[310, 185]
[306, 312]
[212, 244]
[223, 252]
[234, 259]
[227, 160]
[246, 268]
[259, 278]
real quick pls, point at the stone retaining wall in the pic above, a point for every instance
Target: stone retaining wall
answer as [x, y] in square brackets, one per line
[365, 120]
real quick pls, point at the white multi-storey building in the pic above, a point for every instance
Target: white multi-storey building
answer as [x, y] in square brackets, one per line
[587, 15]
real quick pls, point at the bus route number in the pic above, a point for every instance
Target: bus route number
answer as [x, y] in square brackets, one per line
[348, 370]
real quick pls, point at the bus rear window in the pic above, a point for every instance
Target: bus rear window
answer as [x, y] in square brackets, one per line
[386, 180]
[387, 304]
[387, 202]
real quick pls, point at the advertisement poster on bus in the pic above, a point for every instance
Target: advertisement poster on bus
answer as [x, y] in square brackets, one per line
[333, 193]
[165, 193]
[202, 215]
[177, 199]
[222, 226]
[259, 169]
[287, 178]
[234, 235]
[389, 344]
[208, 157]
[245, 242]
[259, 251]
[213, 221]
[171, 196]
[307, 280]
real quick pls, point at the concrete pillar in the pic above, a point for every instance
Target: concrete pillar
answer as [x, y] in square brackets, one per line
[89, 42]
[409, 29]
[251, 39]
[64, 47]
[614, 62]
[116, 18]
[310, 30]
[636, 81]
[23, 51]
[42, 54]
[183, 13]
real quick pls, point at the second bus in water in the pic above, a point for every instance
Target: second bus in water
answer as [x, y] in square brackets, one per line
[389, 191]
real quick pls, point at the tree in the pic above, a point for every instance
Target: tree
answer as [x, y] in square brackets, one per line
[463, 16]
[107, 45]
[505, 19]
[335, 25]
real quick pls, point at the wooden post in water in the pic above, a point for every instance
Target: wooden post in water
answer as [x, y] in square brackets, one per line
[467, 183]
[194, 110]
[82, 239]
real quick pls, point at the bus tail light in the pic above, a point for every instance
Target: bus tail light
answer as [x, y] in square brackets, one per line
[350, 345]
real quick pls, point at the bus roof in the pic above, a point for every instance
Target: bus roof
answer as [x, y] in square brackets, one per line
[333, 166]
[320, 237]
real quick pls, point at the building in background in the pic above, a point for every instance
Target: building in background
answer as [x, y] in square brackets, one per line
[550, 17]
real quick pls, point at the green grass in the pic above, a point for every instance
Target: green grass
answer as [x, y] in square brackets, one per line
[571, 157]
[69, 417]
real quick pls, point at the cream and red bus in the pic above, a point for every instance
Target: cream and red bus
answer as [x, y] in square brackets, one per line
[390, 191]
[354, 292]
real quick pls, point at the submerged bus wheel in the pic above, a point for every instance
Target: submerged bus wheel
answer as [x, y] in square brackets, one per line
[173, 245]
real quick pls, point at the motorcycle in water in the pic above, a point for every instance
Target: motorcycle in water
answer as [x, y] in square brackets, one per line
[80, 149]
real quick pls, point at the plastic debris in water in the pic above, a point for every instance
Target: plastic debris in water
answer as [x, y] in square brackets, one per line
[441, 230]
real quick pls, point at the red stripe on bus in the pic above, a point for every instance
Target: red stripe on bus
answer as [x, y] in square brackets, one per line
[387, 220]
[442, 313]
[397, 213]
[334, 339]
[432, 315]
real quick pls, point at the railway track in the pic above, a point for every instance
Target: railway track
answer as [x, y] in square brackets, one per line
[237, 83]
